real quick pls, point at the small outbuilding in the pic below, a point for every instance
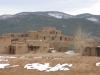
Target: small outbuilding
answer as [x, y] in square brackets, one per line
[91, 51]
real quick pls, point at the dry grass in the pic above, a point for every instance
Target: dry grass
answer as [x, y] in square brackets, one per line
[81, 65]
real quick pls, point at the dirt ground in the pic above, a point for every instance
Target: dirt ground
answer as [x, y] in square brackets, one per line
[82, 65]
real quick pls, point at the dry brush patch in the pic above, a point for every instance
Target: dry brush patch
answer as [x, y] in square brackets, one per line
[82, 65]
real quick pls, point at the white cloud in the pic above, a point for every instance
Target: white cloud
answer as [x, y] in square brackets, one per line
[93, 9]
[68, 6]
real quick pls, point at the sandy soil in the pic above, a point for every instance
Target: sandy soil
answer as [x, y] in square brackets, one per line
[82, 65]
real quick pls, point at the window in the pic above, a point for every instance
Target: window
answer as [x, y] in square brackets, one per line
[56, 33]
[52, 32]
[53, 38]
[65, 38]
[44, 38]
[60, 37]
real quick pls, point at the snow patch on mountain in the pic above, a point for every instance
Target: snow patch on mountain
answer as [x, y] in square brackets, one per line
[6, 16]
[93, 19]
[56, 15]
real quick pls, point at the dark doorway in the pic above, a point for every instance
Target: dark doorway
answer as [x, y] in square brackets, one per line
[98, 51]
[88, 51]
[33, 48]
[12, 49]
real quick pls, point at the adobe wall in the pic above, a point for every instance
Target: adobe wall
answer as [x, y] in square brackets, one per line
[89, 51]
[4, 43]
[20, 47]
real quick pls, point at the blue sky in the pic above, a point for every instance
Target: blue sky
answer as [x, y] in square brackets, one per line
[68, 6]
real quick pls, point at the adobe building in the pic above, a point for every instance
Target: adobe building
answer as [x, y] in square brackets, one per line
[34, 41]
[92, 50]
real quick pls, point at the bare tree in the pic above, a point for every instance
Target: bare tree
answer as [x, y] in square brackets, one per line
[81, 40]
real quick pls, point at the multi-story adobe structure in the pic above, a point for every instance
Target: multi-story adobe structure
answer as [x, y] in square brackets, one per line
[43, 40]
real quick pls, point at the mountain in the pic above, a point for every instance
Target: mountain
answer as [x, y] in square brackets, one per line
[25, 21]
[94, 18]
[55, 14]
